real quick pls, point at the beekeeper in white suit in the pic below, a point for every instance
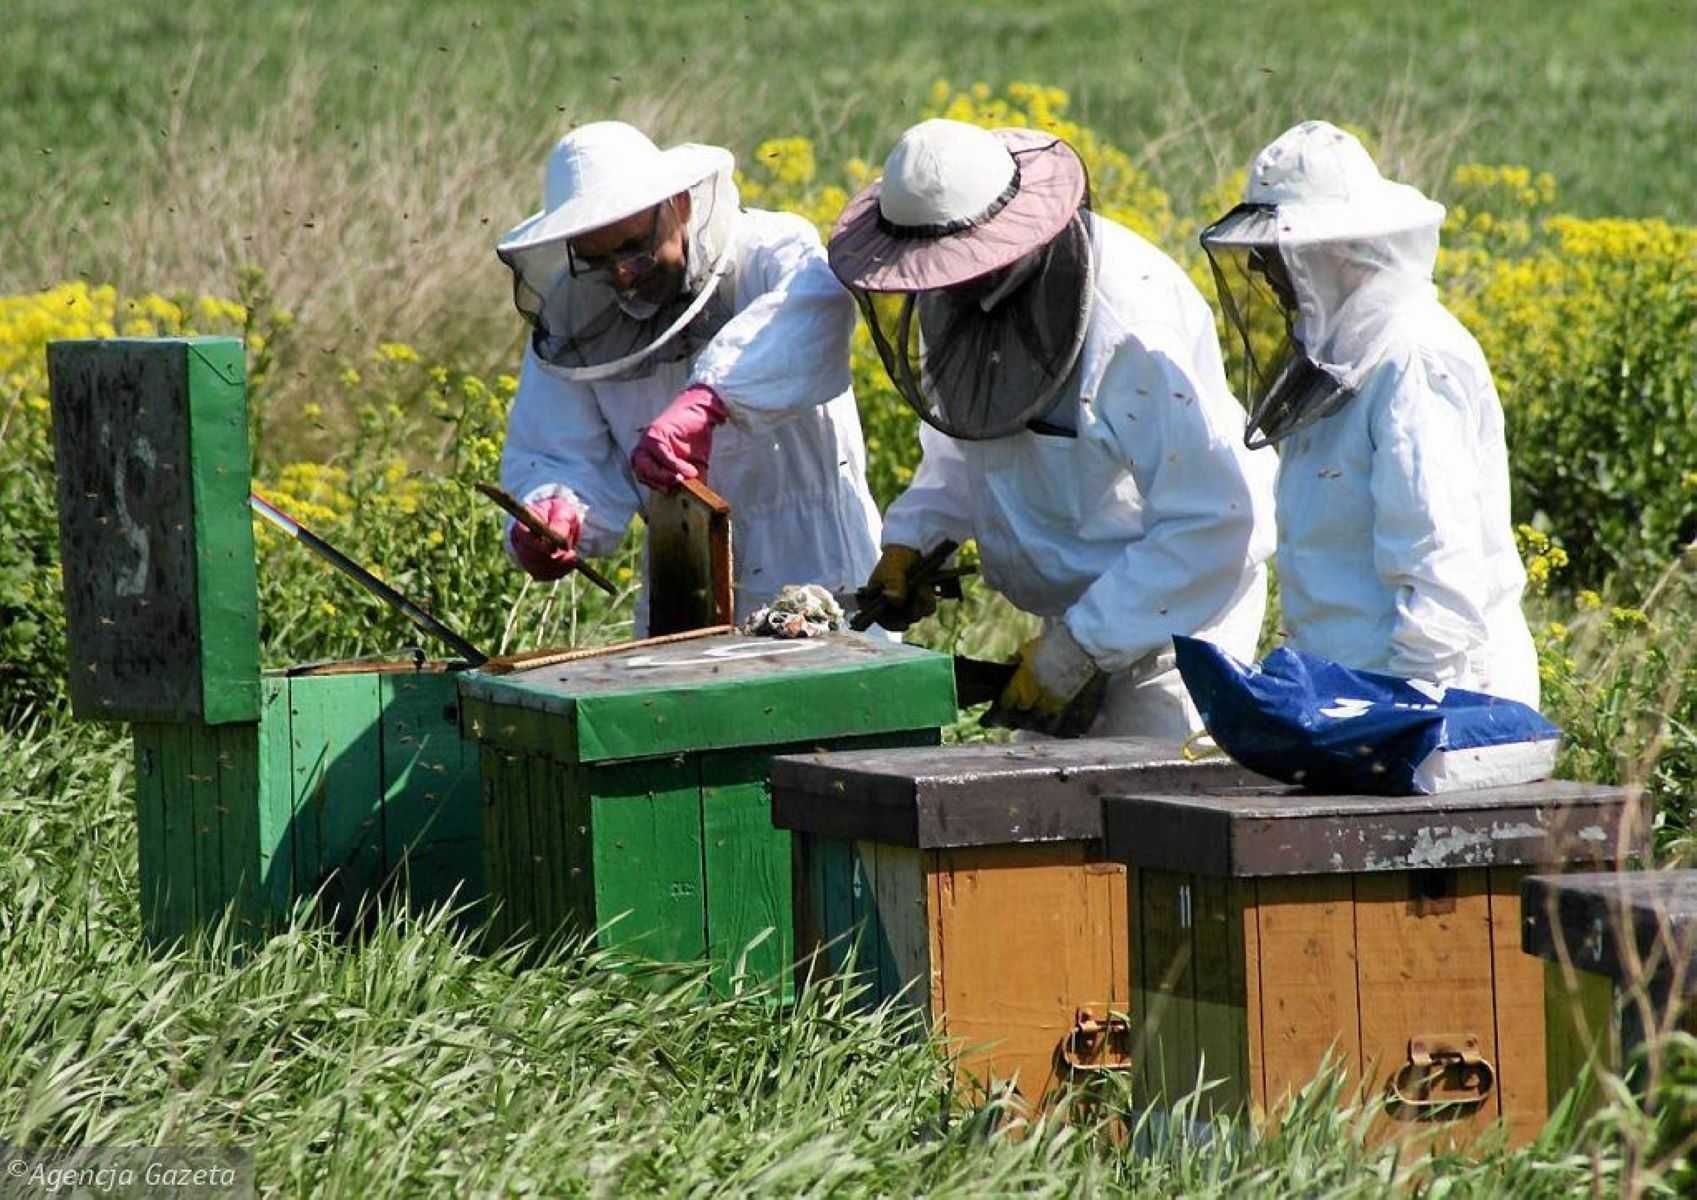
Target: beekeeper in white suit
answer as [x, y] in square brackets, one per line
[1396, 552]
[1078, 423]
[671, 333]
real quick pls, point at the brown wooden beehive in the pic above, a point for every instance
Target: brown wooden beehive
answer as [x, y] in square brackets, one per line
[969, 881]
[1620, 971]
[1271, 928]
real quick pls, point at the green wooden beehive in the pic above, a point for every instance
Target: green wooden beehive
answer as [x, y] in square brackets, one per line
[349, 785]
[251, 790]
[631, 788]
[151, 454]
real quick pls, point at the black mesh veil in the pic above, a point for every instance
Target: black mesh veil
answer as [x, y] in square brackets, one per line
[983, 359]
[1283, 386]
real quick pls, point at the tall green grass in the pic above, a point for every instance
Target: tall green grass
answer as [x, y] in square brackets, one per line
[408, 1064]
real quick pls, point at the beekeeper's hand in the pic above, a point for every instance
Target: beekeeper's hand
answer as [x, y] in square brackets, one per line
[889, 581]
[677, 443]
[541, 560]
[1053, 668]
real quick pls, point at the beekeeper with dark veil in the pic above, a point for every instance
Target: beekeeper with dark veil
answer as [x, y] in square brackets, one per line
[1396, 552]
[673, 334]
[1077, 422]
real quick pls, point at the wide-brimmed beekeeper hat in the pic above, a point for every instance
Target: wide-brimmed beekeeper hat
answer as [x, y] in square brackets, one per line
[604, 172]
[582, 324]
[956, 202]
[1317, 183]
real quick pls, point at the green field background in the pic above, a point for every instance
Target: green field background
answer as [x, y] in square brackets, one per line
[1602, 95]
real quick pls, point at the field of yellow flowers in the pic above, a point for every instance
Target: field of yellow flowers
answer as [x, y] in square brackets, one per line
[1590, 327]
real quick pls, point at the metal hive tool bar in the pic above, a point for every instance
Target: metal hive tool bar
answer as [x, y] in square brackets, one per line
[366, 579]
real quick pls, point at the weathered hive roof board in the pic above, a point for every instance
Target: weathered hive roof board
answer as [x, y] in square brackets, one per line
[1623, 924]
[981, 795]
[1268, 831]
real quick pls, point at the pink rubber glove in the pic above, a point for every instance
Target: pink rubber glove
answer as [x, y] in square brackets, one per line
[539, 559]
[677, 443]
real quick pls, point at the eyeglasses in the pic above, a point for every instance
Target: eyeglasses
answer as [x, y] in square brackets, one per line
[637, 253]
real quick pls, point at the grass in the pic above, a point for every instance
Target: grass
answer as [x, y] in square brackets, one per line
[408, 1064]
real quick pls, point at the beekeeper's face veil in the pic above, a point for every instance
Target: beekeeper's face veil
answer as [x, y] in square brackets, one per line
[590, 319]
[971, 262]
[1308, 268]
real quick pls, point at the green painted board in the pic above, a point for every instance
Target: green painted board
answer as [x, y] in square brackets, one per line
[1169, 957]
[337, 770]
[208, 823]
[238, 788]
[842, 887]
[227, 588]
[546, 852]
[495, 819]
[432, 827]
[150, 831]
[516, 799]
[179, 873]
[577, 846]
[161, 599]
[746, 869]
[1222, 1029]
[274, 802]
[646, 822]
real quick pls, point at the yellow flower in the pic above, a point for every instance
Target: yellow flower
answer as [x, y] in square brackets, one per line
[312, 412]
[1628, 618]
[789, 161]
[326, 608]
[350, 377]
[434, 538]
[396, 352]
[1588, 601]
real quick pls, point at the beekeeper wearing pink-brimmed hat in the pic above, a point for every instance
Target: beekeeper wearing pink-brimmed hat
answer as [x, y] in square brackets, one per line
[674, 335]
[1077, 423]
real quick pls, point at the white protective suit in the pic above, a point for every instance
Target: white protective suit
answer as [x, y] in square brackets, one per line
[789, 460]
[1154, 520]
[1396, 550]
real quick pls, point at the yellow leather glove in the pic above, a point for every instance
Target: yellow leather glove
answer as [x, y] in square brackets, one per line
[1053, 668]
[889, 580]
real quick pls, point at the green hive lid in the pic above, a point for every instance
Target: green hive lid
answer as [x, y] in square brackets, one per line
[714, 692]
[161, 601]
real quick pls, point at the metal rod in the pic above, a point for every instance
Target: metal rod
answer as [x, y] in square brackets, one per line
[365, 579]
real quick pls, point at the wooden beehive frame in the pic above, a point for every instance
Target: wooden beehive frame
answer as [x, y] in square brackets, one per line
[690, 569]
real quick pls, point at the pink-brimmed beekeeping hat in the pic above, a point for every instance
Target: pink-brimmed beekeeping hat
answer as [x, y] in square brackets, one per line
[956, 202]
